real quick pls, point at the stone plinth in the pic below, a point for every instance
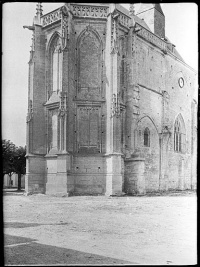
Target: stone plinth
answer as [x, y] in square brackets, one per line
[35, 174]
[134, 175]
[114, 175]
[57, 181]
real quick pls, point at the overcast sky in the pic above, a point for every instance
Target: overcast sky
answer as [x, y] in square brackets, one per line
[181, 20]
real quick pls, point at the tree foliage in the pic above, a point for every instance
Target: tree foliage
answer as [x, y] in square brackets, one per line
[8, 153]
[13, 159]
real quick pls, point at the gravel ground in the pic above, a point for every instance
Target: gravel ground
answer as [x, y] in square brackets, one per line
[98, 230]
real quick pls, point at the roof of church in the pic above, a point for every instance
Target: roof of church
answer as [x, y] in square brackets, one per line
[123, 9]
[141, 22]
[145, 7]
[136, 18]
[158, 7]
[175, 52]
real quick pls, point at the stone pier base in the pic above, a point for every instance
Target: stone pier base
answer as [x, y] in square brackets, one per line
[134, 175]
[35, 174]
[114, 175]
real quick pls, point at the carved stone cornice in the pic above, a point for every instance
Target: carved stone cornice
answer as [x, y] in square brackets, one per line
[90, 11]
[152, 38]
[52, 17]
[124, 20]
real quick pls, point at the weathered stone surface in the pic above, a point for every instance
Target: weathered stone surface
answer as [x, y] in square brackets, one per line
[120, 87]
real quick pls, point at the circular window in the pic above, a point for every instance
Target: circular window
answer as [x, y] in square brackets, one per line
[181, 82]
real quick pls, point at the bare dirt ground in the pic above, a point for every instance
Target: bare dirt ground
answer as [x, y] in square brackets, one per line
[99, 230]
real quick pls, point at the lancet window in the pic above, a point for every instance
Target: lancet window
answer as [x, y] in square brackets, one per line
[147, 137]
[89, 83]
[179, 135]
[89, 59]
[56, 65]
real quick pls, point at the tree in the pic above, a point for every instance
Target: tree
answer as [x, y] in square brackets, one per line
[19, 163]
[13, 159]
[8, 149]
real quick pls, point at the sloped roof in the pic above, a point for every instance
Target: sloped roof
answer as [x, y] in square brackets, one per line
[136, 18]
[158, 7]
[53, 99]
[123, 9]
[145, 7]
[175, 52]
[141, 22]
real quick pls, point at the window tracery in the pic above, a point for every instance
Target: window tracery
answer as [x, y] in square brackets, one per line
[179, 135]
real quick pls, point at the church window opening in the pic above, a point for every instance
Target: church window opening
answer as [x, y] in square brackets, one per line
[89, 68]
[147, 137]
[179, 136]
[56, 66]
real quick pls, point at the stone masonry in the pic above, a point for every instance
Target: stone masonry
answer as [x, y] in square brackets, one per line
[112, 106]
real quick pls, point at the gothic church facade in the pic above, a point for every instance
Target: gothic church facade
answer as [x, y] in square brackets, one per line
[112, 106]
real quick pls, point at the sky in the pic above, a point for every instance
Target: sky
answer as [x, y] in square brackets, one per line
[181, 27]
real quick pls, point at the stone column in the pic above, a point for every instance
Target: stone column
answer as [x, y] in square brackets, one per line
[113, 127]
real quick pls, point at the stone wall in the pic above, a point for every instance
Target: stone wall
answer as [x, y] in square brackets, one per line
[89, 174]
[161, 100]
[115, 87]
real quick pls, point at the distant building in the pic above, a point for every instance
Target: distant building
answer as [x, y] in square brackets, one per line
[112, 105]
[12, 181]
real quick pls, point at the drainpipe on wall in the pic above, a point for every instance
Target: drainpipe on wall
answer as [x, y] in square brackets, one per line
[160, 157]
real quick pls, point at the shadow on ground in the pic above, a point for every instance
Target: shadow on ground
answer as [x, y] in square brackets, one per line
[11, 239]
[18, 253]
[25, 225]
[19, 225]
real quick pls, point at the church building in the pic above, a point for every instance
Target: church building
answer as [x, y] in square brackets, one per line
[112, 106]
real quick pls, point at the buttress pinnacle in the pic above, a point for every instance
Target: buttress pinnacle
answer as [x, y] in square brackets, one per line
[132, 10]
[39, 9]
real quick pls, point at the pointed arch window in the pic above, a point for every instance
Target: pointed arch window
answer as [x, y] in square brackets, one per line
[179, 135]
[56, 66]
[89, 61]
[147, 137]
